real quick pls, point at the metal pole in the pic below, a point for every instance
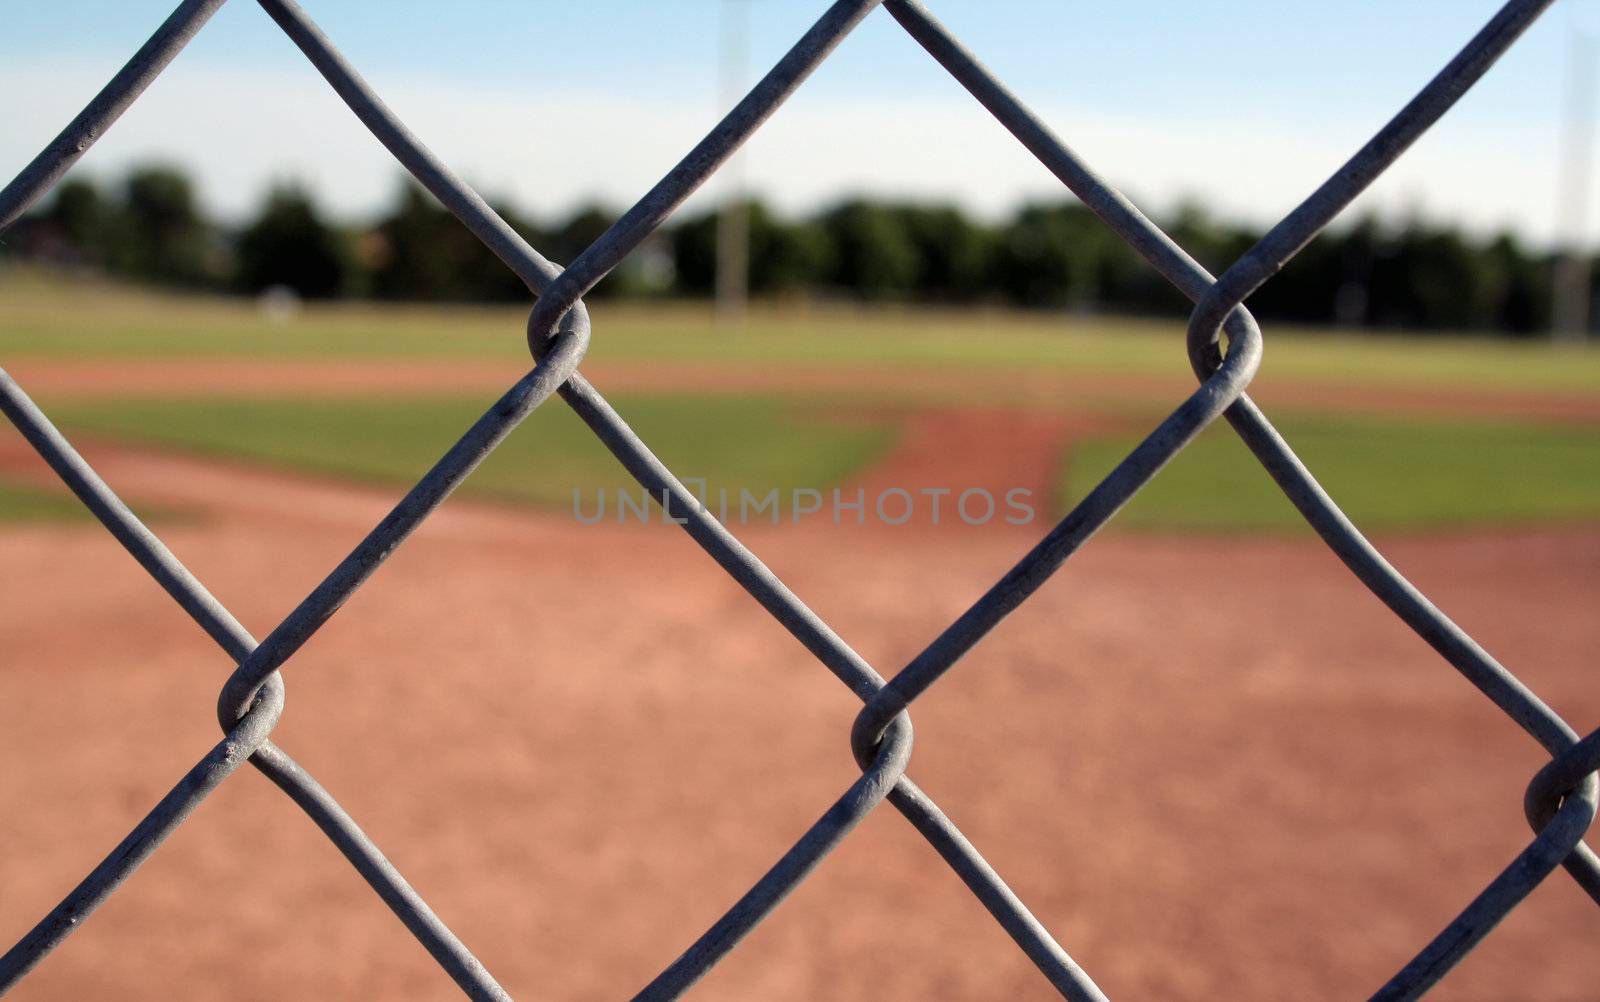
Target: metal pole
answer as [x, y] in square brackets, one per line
[1571, 307]
[733, 220]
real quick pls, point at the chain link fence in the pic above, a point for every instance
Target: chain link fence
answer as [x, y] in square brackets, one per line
[1561, 798]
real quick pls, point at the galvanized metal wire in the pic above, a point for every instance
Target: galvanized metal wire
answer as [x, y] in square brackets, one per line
[1561, 798]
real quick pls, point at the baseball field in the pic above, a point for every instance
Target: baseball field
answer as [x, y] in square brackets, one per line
[581, 741]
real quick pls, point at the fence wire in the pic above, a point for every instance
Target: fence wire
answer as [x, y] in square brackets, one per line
[1561, 798]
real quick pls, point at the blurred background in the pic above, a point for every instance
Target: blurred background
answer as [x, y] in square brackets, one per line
[882, 180]
[260, 332]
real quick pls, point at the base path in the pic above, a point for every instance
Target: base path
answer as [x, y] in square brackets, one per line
[1009, 460]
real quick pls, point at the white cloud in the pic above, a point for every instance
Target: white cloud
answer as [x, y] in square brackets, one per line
[239, 129]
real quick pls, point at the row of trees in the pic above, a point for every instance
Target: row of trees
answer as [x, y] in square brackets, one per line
[1413, 275]
[150, 228]
[1060, 255]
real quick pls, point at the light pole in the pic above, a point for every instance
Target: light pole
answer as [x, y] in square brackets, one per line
[1571, 303]
[733, 220]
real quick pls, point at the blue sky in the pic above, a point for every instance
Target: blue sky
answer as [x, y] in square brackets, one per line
[1246, 104]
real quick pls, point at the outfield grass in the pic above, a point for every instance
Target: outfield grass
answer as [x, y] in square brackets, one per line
[24, 502]
[1385, 474]
[1391, 472]
[47, 317]
[730, 442]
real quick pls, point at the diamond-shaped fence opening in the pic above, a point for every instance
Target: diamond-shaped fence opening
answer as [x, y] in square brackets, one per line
[1561, 798]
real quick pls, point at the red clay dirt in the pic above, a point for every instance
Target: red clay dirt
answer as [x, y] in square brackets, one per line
[1012, 389]
[970, 466]
[1216, 769]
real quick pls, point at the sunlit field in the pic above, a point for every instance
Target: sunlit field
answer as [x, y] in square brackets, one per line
[1412, 433]
[579, 738]
[52, 318]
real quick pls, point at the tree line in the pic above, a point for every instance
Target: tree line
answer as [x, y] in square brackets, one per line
[149, 227]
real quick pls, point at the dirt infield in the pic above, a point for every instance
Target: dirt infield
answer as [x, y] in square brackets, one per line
[1215, 769]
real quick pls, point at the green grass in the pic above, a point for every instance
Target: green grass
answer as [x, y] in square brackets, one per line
[46, 317]
[23, 502]
[1385, 474]
[731, 442]
[1392, 473]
